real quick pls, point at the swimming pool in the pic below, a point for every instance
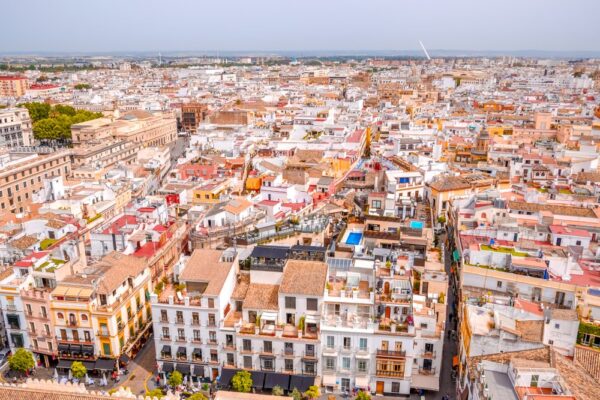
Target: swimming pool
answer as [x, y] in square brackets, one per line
[354, 238]
[416, 224]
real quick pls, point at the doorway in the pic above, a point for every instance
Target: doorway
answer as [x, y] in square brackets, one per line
[379, 387]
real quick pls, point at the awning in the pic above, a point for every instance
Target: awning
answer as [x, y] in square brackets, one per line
[361, 382]
[258, 379]
[103, 364]
[86, 348]
[197, 352]
[274, 379]
[183, 368]
[268, 316]
[198, 371]
[124, 358]
[63, 348]
[75, 348]
[454, 361]
[66, 364]
[311, 319]
[181, 350]
[301, 382]
[166, 349]
[89, 365]
[329, 380]
[167, 367]
[226, 375]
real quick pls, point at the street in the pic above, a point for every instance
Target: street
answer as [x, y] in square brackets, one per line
[140, 369]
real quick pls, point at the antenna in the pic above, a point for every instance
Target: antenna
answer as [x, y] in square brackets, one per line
[424, 50]
[159, 59]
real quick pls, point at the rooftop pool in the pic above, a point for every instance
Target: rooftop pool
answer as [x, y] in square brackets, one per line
[416, 224]
[354, 238]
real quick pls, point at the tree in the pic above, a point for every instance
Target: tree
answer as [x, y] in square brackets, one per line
[21, 361]
[441, 219]
[82, 86]
[37, 111]
[197, 396]
[312, 392]
[296, 395]
[175, 379]
[277, 391]
[78, 369]
[242, 382]
[361, 395]
[66, 110]
[155, 393]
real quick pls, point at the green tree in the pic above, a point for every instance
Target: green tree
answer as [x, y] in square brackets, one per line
[175, 379]
[277, 391]
[66, 110]
[78, 369]
[82, 86]
[296, 395]
[197, 396]
[242, 382]
[155, 393]
[361, 395]
[312, 392]
[37, 111]
[441, 219]
[21, 361]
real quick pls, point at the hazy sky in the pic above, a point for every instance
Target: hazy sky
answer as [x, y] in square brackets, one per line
[174, 25]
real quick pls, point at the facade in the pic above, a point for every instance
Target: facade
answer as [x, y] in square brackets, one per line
[15, 127]
[192, 114]
[22, 175]
[13, 86]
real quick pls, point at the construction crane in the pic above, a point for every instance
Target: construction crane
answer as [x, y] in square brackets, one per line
[424, 50]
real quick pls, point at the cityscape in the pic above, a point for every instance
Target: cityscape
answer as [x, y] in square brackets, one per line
[242, 223]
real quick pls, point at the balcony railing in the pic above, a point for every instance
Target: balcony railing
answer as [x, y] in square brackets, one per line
[423, 371]
[428, 354]
[309, 354]
[386, 373]
[391, 353]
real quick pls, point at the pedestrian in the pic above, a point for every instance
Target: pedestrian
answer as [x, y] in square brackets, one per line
[157, 380]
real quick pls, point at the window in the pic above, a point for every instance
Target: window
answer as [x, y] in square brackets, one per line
[312, 304]
[330, 363]
[267, 346]
[214, 356]
[290, 302]
[288, 364]
[288, 349]
[347, 342]
[196, 335]
[330, 342]
[86, 336]
[165, 333]
[181, 334]
[268, 364]
[499, 284]
[556, 326]
[212, 337]
[362, 343]
[84, 317]
[534, 380]
[211, 303]
[195, 319]
[395, 387]
[376, 204]
[310, 350]
[60, 315]
[163, 316]
[346, 363]
[179, 317]
[247, 345]
[247, 362]
[361, 365]
[211, 320]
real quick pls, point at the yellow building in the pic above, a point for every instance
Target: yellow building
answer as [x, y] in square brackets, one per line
[210, 193]
[103, 313]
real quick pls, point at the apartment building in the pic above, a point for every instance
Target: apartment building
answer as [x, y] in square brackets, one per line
[13, 85]
[192, 114]
[15, 127]
[101, 314]
[187, 316]
[135, 126]
[22, 175]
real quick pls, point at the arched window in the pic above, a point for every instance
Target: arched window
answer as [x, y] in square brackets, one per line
[60, 315]
[84, 317]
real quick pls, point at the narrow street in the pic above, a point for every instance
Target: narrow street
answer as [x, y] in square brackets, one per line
[450, 346]
[140, 369]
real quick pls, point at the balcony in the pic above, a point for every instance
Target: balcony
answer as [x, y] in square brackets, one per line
[391, 353]
[346, 349]
[165, 337]
[180, 339]
[428, 372]
[195, 322]
[180, 321]
[329, 350]
[246, 350]
[428, 354]
[229, 346]
[164, 320]
[212, 341]
[103, 333]
[385, 373]
[266, 351]
[120, 325]
[287, 352]
[309, 354]
[197, 340]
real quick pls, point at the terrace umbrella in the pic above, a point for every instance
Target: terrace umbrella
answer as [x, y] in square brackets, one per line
[55, 374]
[185, 379]
[70, 375]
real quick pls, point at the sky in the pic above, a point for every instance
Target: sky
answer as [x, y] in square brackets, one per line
[298, 25]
